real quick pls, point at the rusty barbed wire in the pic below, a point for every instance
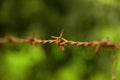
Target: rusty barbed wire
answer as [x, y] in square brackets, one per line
[62, 42]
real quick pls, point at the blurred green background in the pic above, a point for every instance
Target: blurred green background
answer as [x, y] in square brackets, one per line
[82, 20]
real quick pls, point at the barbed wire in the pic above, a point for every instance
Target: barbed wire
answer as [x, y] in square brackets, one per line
[62, 42]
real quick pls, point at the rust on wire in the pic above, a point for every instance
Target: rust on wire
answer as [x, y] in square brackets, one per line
[62, 42]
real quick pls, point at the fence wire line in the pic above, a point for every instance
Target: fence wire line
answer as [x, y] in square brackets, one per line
[62, 42]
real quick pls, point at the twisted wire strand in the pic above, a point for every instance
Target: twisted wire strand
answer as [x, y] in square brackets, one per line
[62, 42]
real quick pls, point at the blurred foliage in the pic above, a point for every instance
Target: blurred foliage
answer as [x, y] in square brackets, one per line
[83, 20]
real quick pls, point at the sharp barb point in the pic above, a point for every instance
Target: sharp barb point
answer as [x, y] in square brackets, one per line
[61, 33]
[97, 49]
[63, 48]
